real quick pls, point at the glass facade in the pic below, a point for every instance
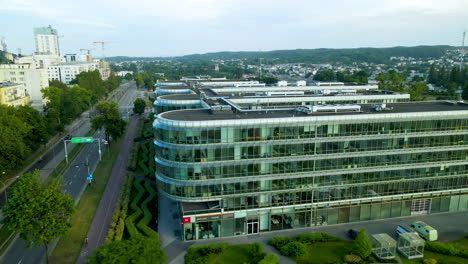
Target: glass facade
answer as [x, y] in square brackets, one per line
[290, 175]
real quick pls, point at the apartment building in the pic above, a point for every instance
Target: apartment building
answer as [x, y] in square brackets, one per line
[13, 94]
[34, 79]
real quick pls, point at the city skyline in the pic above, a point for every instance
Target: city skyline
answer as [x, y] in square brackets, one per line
[163, 29]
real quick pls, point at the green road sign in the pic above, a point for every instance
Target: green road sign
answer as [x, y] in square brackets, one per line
[81, 140]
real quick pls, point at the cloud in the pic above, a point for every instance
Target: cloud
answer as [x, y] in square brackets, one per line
[52, 10]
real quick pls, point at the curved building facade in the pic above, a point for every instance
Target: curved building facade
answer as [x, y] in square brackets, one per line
[238, 173]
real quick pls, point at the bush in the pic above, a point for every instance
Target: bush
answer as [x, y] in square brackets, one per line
[134, 156]
[352, 259]
[362, 245]
[143, 224]
[293, 249]
[279, 242]
[446, 249]
[269, 259]
[310, 238]
[130, 221]
[206, 250]
[429, 261]
[256, 249]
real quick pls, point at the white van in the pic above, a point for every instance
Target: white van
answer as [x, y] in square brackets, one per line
[425, 231]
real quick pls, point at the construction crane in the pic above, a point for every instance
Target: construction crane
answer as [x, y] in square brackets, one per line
[102, 45]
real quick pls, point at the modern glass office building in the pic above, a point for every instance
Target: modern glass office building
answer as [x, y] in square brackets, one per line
[239, 172]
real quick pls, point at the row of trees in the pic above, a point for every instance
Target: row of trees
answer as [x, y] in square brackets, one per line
[394, 81]
[449, 78]
[65, 103]
[22, 131]
[328, 75]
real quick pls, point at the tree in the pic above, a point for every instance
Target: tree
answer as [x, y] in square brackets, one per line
[13, 149]
[362, 245]
[326, 75]
[38, 212]
[139, 106]
[391, 81]
[38, 134]
[139, 80]
[128, 77]
[432, 77]
[93, 82]
[109, 119]
[417, 90]
[137, 249]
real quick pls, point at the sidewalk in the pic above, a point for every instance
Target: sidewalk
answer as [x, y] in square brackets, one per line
[98, 231]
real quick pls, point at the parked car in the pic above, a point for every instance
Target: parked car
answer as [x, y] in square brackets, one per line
[425, 231]
[352, 233]
[403, 228]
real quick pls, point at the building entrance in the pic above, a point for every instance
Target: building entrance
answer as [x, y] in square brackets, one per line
[420, 206]
[252, 226]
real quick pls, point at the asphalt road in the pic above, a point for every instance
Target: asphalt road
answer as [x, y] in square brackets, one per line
[74, 183]
[98, 230]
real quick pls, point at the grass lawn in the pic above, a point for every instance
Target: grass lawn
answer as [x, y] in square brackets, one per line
[439, 257]
[69, 247]
[233, 254]
[327, 252]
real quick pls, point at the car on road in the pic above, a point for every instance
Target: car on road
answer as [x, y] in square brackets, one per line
[67, 137]
[352, 233]
[403, 228]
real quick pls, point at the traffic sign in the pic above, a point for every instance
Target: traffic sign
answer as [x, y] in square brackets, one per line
[81, 140]
[90, 177]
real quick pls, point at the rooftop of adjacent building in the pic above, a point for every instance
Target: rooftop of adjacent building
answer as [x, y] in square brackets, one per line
[180, 97]
[8, 84]
[228, 113]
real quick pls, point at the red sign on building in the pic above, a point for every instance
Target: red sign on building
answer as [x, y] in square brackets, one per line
[186, 220]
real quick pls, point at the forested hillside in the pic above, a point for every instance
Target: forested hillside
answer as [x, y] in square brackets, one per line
[374, 55]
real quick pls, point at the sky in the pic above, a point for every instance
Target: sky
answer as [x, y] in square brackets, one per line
[179, 27]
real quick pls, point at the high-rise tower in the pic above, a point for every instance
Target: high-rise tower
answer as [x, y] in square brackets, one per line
[46, 41]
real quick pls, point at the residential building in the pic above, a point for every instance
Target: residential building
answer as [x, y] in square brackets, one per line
[14, 94]
[238, 169]
[46, 39]
[34, 79]
[66, 72]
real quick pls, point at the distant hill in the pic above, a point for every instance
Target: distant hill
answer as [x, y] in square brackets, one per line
[375, 55]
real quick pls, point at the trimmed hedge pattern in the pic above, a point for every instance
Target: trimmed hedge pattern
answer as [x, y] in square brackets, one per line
[129, 222]
[117, 227]
[143, 224]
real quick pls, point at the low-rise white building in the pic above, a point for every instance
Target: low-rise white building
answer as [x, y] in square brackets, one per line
[66, 72]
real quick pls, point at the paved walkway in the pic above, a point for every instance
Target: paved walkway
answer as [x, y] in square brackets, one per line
[102, 219]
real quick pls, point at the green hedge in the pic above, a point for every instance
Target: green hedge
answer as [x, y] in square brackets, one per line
[200, 254]
[270, 259]
[279, 242]
[117, 227]
[293, 249]
[446, 249]
[143, 224]
[132, 164]
[311, 238]
[130, 221]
